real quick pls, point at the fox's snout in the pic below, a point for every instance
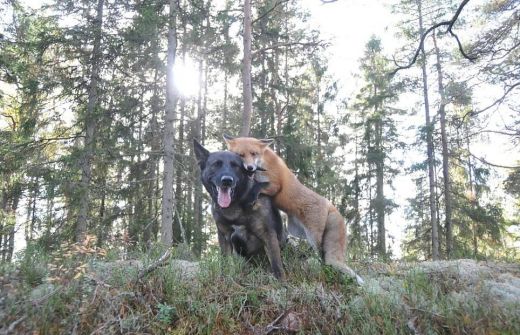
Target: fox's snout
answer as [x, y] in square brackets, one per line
[250, 167]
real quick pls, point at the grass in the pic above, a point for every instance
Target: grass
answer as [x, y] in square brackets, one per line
[230, 296]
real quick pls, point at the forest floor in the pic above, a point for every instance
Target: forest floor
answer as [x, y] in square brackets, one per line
[84, 290]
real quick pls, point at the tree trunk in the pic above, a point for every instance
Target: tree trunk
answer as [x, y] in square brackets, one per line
[155, 145]
[380, 196]
[3, 211]
[356, 225]
[474, 196]
[16, 193]
[370, 203]
[90, 126]
[197, 196]
[246, 71]
[445, 155]
[429, 148]
[31, 209]
[225, 108]
[168, 198]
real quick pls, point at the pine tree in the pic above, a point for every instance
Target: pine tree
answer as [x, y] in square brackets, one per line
[379, 137]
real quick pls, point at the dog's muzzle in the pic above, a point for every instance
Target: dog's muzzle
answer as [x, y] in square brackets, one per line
[225, 191]
[226, 181]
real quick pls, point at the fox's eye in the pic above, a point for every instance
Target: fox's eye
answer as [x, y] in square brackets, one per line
[241, 155]
[253, 154]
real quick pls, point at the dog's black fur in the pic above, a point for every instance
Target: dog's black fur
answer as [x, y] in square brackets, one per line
[246, 220]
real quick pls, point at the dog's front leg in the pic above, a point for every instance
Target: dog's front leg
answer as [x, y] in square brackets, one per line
[272, 249]
[224, 232]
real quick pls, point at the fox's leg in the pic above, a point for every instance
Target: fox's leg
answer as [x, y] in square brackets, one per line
[334, 245]
[295, 227]
[313, 222]
[271, 190]
[274, 185]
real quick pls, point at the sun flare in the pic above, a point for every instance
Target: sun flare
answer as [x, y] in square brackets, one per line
[186, 77]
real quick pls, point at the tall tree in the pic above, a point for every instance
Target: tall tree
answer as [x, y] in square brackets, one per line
[246, 71]
[380, 135]
[445, 152]
[429, 126]
[90, 125]
[168, 197]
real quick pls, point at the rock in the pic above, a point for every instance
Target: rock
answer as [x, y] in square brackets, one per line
[41, 291]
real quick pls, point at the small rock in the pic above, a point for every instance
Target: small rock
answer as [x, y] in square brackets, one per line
[291, 323]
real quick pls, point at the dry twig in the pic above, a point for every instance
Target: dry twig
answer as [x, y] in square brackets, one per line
[163, 260]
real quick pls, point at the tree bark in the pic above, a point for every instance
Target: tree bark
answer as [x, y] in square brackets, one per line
[3, 211]
[380, 196]
[445, 154]
[225, 107]
[429, 148]
[179, 173]
[246, 72]
[90, 126]
[197, 196]
[168, 198]
[474, 195]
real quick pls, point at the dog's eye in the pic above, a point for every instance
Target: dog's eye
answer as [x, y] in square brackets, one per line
[234, 165]
[216, 164]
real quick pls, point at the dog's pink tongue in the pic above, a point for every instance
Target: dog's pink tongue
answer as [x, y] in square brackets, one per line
[224, 197]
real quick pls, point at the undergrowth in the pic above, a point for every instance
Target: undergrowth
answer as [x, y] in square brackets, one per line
[83, 293]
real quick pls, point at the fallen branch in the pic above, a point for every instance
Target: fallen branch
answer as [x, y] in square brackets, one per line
[163, 260]
[13, 325]
[272, 326]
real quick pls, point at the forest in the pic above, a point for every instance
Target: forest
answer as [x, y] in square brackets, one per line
[100, 101]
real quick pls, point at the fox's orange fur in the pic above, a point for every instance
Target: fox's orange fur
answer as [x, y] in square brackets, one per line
[323, 225]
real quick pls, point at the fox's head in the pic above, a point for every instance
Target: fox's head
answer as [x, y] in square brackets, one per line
[250, 149]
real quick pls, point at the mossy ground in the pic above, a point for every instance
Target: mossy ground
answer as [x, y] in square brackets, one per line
[86, 293]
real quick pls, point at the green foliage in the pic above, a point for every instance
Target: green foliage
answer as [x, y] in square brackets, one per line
[512, 183]
[33, 264]
[166, 314]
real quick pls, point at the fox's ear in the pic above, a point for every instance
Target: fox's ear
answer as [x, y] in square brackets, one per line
[267, 141]
[228, 138]
[201, 154]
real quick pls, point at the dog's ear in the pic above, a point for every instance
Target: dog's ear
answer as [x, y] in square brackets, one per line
[201, 153]
[228, 138]
[267, 141]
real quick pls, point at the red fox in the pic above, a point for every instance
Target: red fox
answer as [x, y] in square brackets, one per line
[323, 225]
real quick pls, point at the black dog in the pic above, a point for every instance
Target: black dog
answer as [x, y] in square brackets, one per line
[246, 221]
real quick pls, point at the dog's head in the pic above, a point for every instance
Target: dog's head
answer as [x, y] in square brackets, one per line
[250, 149]
[222, 173]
